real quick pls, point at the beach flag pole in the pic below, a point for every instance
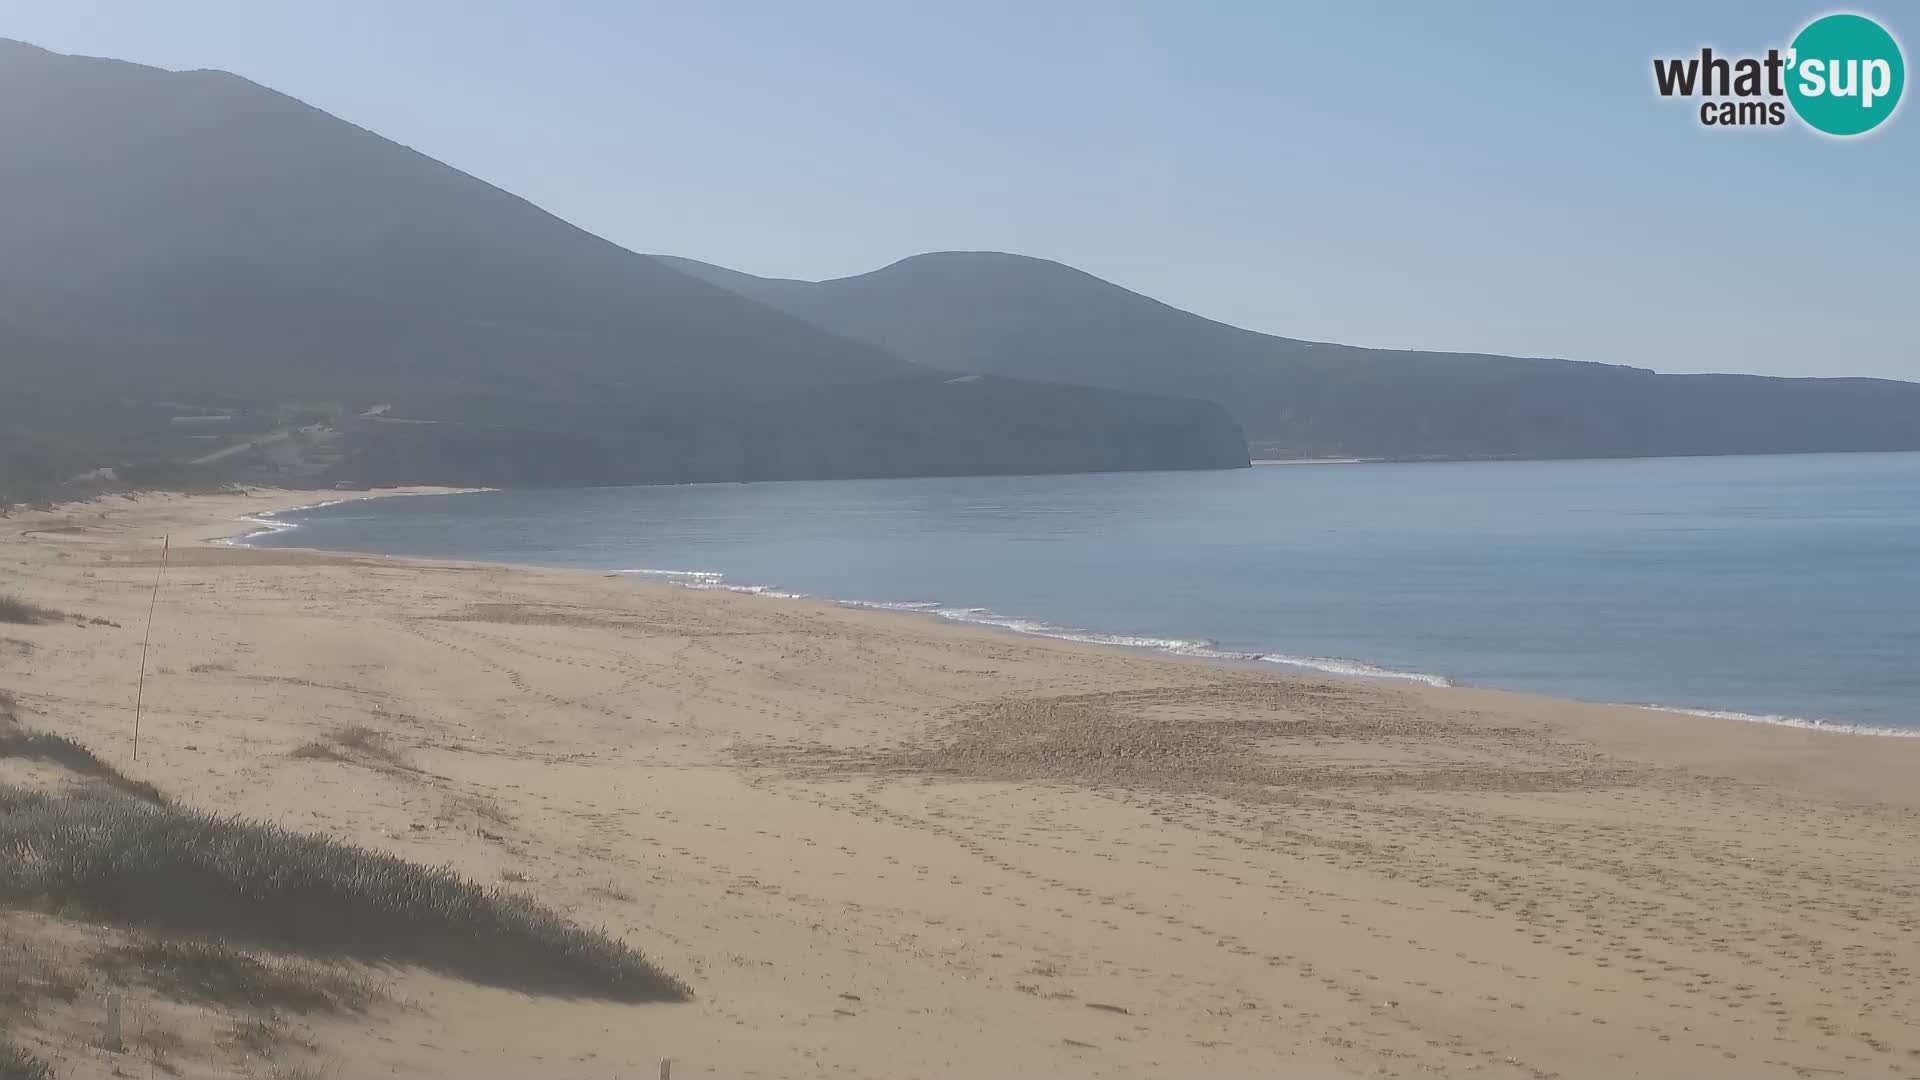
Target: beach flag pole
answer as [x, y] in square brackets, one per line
[140, 687]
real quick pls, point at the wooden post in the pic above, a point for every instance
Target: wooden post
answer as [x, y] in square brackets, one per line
[110, 1038]
[666, 1069]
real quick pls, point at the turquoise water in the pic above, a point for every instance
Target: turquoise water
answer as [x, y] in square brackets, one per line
[1776, 587]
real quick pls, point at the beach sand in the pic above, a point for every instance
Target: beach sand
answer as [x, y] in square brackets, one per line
[876, 844]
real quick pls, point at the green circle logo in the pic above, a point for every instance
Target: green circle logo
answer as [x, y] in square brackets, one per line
[1845, 74]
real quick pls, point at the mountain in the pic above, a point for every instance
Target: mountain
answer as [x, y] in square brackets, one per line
[1010, 315]
[211, 265]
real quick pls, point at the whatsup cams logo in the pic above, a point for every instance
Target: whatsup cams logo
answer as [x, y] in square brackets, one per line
[1842, 75]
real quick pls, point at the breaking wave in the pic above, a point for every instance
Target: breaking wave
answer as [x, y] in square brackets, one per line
[1199, 648]
[1776, 719]
[267, 523]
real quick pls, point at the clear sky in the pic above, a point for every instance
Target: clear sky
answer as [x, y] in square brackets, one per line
[1492, 177]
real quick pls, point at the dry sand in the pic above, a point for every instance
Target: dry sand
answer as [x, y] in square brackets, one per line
[878, 845]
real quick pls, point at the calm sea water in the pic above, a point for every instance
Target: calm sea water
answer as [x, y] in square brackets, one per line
[1777, 587]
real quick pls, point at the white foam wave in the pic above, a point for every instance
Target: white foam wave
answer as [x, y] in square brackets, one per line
[264, 524]
[1778, 720]
[892, 605]
[268, 522]
[713, 580]
[1196, 648]
[689, 575]
[268, 525]
[750, 590]
[1199, 648]
[1334, 665]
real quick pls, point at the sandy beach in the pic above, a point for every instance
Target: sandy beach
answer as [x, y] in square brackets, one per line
[875, 844]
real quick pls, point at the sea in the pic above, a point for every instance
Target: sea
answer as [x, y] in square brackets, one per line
[1780, 589]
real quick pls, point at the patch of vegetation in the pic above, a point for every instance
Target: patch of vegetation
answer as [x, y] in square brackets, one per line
[75, 758]
[17, 1064]
[210, 972]
[359, 742]
[258, 1035]
[168, 868]
[161, 1044]
[486, 808]
[207, 669]
[472, 813]
[31, 976]
[362, 738]
[25, 613]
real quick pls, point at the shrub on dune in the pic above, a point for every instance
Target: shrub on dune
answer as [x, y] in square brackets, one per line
[173, 869]
[17, 1064]
[15, 610]
[75, 758]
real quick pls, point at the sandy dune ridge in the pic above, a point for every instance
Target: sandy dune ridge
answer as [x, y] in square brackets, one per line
[880, 845]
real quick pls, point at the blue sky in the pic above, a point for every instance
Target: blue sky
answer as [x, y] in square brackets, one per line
[1493, 177]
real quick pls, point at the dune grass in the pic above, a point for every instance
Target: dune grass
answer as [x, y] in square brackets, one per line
[359, 743]
[75, 758]
[207, 972]
[17, 1064]
[361, 737]
[32, 977]
[317, 750]
[15, 610]
[175, 870]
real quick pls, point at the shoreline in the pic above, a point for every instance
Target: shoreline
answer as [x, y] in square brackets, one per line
[864, 838]
[1318, 461]
[267, 521]
[1032, 628]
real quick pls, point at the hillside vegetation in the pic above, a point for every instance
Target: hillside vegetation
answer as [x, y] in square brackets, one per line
[197, 265]
[1009, 315]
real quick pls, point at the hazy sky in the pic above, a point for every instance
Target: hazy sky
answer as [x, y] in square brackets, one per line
[1488, 177]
